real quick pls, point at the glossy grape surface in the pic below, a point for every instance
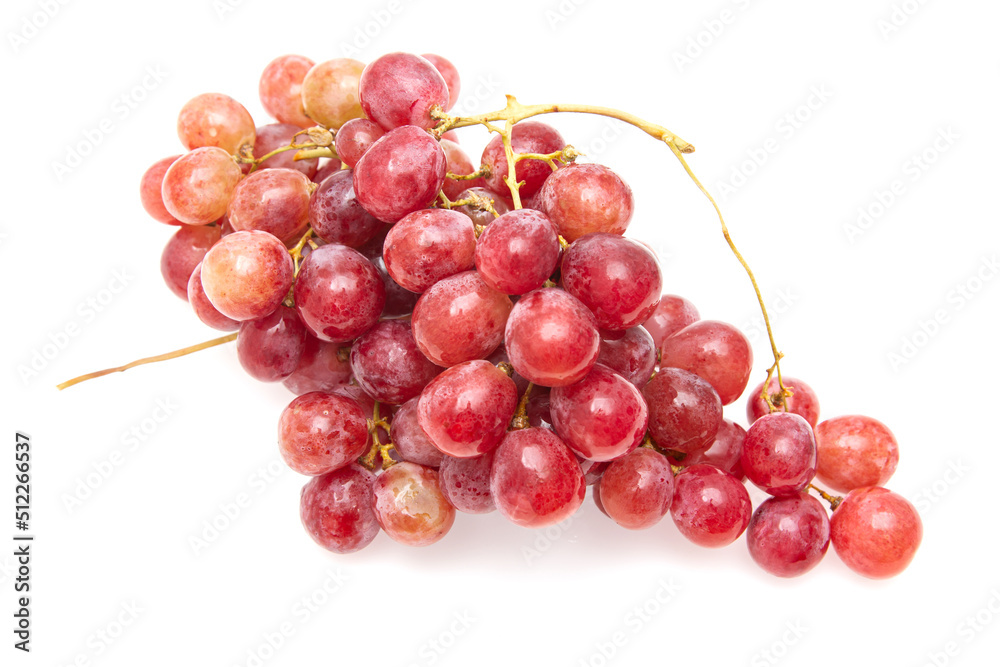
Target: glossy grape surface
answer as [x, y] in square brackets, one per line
[320, 432]
[336, 509]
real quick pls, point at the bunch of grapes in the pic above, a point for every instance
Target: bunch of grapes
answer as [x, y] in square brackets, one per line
[472, 338]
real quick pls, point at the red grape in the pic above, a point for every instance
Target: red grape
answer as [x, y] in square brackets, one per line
[586, 198]
[685, 413]
[280, 89]
[274, 201]
[802, 402]
[671, 314]
[320, 432]
[855, 451]
[724, 452]
[198, 185]
[465, 482]
[428, 245]
[632, 355]
[711, 508]
[518, 251]
[151, 191]
[402, 172]
[450, 75]
[246, 275]
[203, 308]
[330, 92]
[355, 138]
[779, 453]
[388, 365]
[337, 217]
[320, 368]
[461, 165]
[338, 293]
[409, 438]
[184, 251]
[336, 509]
[716, 351]
[789, 535]
[637, 489]
[409, 505]
[876, 532]
[536, 480]
[478, 215]
[466, 409]
[401, 89]
[213, 119]
[270, 348]
[526, 137]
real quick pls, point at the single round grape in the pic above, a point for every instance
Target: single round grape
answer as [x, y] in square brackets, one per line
[478, 215]
[184, 251]
[388, 365]
[355, 138]
[711, 508]
[401, 173]
[409, 438]
[876, 532]
[428, 245]
[320, 368]
[337, 217]
[274, 201]
[779, 453]
[450, 74]
[724, 452]
[198, 185]
[855, 451]
[587, 198]
[685, 413]
[459, 164]
[465, 482]
[336, 509]
[338, 293]
[617, 278]
[246, 275]
[401, 89]
[633, 355]
[203, 308]
[409, 505]
[636, 490]
[270, 347]
[330, 92]
[151, 191]
[460, 318]
[671, 314]
[214, 119]
[789, 535]
[320, 432]
[601, 417]
[518, 251]
[276, 135]
[716, 351]
[802, 402]
[466, 409]
[527, 137]
[552, 338]
[281, 89]
[536, 480]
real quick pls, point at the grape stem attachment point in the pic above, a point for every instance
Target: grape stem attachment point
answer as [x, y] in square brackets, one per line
[833, 500]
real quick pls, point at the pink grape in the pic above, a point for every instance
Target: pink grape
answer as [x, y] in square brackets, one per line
[388, 365]
[710, 508]
[716, 351]
[855, 451]
[246, 275]
[213, 119]
[601, 417]
[270, 348]
[320, 432]
[151, 191]
[274, 201]
[536, 480]
[460, 318]
[636, 490]
[450, 74]
[465, 482]
[518, 251]
[281, 89]
[527, 137]
[466, 409]
[355, 138]
[198, 185]
[633, 355]
[802, 402]
[876, 532]
[724, 452]
[461, 165]
[401, 173]
[789, 535]
[410, 439]
[409, 505]
[401, 89]
[551, 338]
[203, 308]
[320, 368]
[184, 251]
[685, 412]
[336, 509]
[428, 245]
[337, 217]
[587, 198]
[779, 453]
[338, 293]
[367, 404]
[330, 92]
[274, 136]
[477, 215]
[617, 278]
[671, 314]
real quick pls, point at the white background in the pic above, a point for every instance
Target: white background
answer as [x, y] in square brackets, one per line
[491, 593]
